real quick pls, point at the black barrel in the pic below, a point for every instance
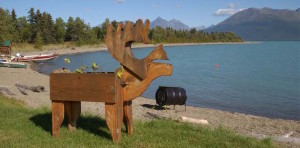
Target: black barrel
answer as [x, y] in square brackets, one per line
[170, 96]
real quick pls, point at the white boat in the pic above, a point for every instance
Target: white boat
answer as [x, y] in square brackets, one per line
[40, 57]
[13, 64]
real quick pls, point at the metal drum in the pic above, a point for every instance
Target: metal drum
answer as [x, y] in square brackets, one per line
[170, 96]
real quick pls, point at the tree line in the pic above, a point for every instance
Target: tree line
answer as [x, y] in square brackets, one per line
[170, 35]
[40, 29]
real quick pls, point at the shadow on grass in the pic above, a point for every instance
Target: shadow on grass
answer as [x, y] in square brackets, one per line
[90, 124]
[156, 107]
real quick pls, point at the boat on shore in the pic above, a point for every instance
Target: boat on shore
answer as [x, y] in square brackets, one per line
[28, 58]
[13, 64]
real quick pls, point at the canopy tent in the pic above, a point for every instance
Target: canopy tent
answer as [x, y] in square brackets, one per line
[5, 47]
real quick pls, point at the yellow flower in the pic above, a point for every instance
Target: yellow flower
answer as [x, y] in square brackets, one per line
[120, 72]
[67, 60]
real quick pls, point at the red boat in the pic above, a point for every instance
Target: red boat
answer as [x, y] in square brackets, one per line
[40, 57]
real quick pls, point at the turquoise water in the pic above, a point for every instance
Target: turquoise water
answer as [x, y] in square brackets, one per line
[260, 79]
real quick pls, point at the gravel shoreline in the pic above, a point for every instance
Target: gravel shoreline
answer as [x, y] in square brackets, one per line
[284, 131]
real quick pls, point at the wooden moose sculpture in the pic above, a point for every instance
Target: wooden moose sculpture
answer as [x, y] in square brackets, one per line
[117, 89]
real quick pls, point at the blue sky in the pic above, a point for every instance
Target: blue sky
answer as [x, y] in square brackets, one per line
[190, 12]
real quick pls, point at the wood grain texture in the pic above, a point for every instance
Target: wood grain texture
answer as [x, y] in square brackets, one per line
[73, 110]
[82, 87]
[68, 110]
[117, 90]
[114, 113]
[127, 118]
[135, 87]
[119, 44]
[57, 116]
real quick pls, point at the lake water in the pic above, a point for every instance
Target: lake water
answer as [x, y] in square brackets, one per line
[261, 79]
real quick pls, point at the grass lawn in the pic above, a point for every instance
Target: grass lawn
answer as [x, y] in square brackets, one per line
[23, 127]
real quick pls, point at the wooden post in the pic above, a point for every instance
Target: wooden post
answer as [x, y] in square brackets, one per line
[114, 112]
[57, 116]
[73, 110]
[127, 119]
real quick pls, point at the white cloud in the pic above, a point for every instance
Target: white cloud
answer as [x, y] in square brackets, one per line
[119, 1]
[230, 10]
[225, 12]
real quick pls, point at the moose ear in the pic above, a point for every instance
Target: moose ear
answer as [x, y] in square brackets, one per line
[145, 32]
[157, 54]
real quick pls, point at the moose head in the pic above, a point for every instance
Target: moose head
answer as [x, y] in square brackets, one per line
[138, 73]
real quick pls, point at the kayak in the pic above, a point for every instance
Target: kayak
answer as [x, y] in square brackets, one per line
[13, 64]
[40, 57]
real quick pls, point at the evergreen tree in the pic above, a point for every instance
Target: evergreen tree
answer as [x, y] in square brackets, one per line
[39, 28]
[24, 29]
[38, 21]
[51, 31]
[7, 29]
[15, 30]
[3, 26]
[38, 41]
[79, 29]
[193, 30]
[89, 35]
[31, 20]
[98, 31]
[114, 23]
[14, 16]
[60, 31]
[44, 27]
[70, 29]
[104, 27]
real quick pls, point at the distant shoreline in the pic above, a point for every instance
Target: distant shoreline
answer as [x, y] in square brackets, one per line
[84, 49]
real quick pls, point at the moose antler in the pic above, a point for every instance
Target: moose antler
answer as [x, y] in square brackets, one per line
[138, 73]
[119, 43]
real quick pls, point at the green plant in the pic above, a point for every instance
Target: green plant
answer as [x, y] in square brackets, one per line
[67, 61]
[120, 72]
[81, 69]
[95, 67]
[84, 68]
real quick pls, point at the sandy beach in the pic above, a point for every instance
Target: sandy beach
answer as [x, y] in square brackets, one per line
[103, 47]
[283, 131]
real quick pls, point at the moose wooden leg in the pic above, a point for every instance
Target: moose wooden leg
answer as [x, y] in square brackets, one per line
[57, 116]
[114, 112]
[113, 117]
[127, 119]
[73, 110]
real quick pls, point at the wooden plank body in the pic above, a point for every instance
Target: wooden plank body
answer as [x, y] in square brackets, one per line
[117, 89]
[92, 87]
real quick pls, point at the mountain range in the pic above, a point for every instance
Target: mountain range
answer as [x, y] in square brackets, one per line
[251, 24]
[175, 24]
[262, 24]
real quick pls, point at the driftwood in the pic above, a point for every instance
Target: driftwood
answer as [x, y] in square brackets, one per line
[24, 88]
[193, 120]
